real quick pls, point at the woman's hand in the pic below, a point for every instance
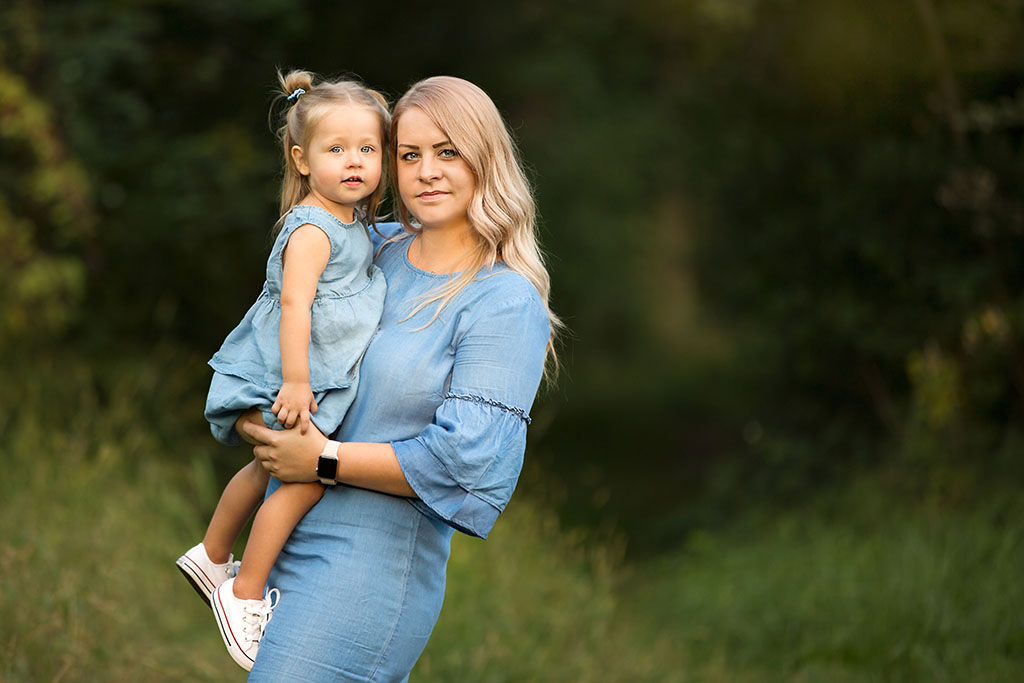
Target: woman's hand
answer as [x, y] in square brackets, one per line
[288, 455]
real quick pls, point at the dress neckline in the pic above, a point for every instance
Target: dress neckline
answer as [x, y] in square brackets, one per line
[420, 271]
[355, 214]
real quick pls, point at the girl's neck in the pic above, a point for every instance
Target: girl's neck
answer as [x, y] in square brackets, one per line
[441, 251]
[344, 213]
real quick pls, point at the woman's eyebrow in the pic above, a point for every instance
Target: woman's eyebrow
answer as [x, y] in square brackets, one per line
[412, 146]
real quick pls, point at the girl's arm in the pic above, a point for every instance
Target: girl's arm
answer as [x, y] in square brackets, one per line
[292, 456]
[305, 258]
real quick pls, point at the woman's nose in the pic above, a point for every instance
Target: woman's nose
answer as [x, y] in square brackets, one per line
[428, 169]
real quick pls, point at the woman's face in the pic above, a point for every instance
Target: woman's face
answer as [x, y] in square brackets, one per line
[435, 183]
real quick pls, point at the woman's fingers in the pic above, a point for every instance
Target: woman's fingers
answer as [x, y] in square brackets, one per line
[259, 433]
[264, 457]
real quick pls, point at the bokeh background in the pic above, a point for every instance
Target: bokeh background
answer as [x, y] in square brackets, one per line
[787, 237]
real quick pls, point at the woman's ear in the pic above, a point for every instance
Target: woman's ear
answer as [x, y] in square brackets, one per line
[299, 157]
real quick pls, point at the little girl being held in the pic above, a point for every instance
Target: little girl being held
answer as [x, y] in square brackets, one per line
[295, 355]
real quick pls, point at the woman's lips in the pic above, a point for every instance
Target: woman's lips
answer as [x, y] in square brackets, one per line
[433, 194]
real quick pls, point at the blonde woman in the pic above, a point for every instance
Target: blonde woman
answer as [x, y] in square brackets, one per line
[434, 441]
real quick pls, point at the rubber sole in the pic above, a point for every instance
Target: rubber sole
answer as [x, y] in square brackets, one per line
[195, 582]
[240, 658]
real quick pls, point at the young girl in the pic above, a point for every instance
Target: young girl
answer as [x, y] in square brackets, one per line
[295, 355]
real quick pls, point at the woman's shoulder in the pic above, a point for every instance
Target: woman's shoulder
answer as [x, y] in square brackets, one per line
[382, 232]
[500, 287]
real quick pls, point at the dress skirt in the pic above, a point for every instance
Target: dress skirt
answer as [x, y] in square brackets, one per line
[362, 581]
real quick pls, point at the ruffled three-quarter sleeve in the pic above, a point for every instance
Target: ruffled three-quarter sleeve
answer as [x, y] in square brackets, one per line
[465, 464]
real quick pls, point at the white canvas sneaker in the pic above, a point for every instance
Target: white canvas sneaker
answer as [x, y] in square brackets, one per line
[241, 622]
[202, 573]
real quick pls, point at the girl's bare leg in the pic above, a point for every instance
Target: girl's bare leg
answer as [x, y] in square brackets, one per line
[240, 498]
[270, 530]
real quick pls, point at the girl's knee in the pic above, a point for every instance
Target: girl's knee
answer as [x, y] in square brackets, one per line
[257, 475]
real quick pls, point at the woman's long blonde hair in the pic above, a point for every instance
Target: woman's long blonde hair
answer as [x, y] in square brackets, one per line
[305, 111]
[502, 213]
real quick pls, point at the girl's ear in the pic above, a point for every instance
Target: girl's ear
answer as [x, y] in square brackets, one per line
[299, 157]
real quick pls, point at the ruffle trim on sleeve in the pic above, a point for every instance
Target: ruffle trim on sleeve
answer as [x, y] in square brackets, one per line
[439, 496]
[519, 412]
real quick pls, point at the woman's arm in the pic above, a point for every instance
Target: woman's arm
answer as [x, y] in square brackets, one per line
[305, 258]
[292, 456]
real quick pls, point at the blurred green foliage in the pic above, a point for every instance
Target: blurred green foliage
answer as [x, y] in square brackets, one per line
[787, 235]
[788, 238]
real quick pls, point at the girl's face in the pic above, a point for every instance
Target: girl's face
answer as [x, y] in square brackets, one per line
[343, 159]
[435, 183]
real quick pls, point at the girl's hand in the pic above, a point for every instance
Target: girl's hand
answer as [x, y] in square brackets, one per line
[294, 403]
[289, 455]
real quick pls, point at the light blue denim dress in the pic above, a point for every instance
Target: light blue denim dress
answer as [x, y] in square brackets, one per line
[344, 316]
[362, 577]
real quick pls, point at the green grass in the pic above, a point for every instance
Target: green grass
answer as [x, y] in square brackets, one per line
[109, 474]
[106, 481]
[866, 588]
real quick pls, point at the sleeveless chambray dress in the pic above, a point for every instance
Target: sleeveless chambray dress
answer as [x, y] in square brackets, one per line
[343, 318]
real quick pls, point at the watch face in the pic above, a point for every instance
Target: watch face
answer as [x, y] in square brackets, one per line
[327, 468]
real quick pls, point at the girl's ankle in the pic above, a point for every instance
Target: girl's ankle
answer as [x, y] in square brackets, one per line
[217, 555]
[244, 591]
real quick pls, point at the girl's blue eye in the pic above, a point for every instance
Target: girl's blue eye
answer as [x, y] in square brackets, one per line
[366, 149]
[336, 149]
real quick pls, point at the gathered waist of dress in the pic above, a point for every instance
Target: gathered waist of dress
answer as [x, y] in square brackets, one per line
[267, 293]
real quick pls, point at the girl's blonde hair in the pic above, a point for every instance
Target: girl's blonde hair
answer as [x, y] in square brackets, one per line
[502, 213]
[305, 110]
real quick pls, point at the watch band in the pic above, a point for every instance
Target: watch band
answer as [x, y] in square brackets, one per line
[327, 464]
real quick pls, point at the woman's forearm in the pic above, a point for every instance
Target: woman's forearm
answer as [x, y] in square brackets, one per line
[291, 455]
[372, 466]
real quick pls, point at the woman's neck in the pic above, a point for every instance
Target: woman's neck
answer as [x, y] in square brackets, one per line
[441, 251]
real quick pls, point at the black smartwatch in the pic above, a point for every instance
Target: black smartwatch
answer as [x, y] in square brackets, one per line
[327, 465]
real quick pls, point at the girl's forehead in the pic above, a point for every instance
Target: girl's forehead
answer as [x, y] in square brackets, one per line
[348, 119]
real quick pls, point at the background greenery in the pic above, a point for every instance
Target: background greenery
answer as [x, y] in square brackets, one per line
[788, 238]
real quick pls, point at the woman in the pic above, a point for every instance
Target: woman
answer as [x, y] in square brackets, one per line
[434, 440]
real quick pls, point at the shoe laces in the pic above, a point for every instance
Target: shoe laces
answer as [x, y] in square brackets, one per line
[257, 614]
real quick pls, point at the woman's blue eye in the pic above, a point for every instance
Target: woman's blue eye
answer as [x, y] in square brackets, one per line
[448, 153]
[409, 156]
